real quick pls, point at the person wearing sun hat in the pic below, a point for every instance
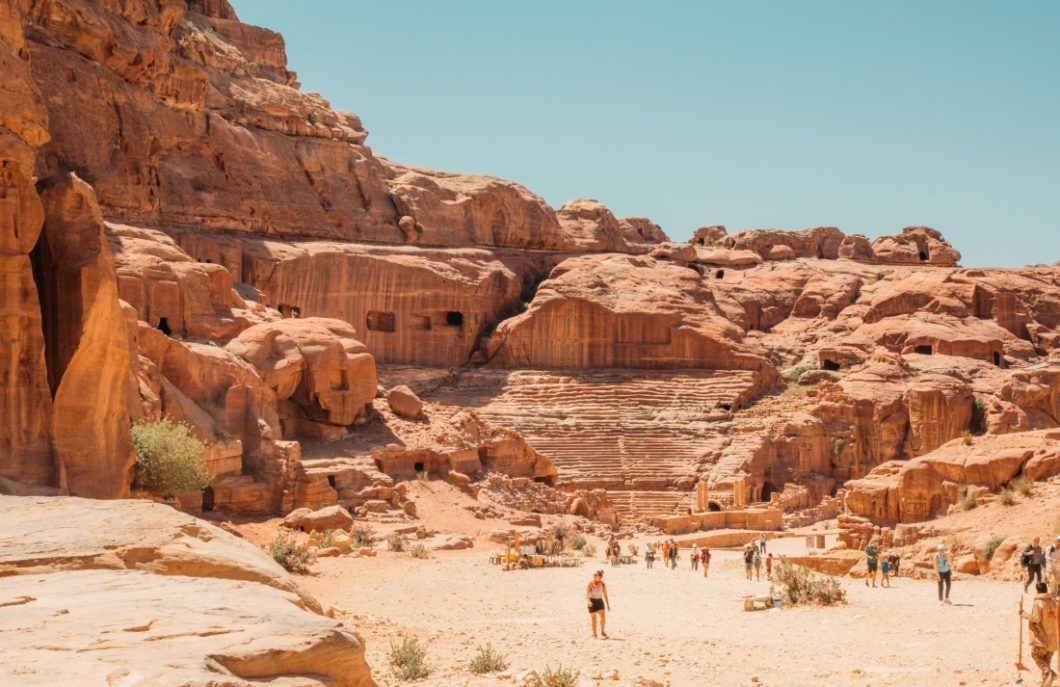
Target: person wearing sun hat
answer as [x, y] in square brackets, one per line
[943, 573]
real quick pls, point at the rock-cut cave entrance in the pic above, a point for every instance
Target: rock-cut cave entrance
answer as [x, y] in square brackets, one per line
[768, 489]
[208, 499]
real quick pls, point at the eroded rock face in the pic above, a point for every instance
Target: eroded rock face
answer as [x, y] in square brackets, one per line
[87, 344]
[316, 363]
[922, 488]
[616, 311]
[25, 399]
[183, 601]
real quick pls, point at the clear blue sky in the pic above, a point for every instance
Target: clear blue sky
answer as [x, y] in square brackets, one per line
[869, 116]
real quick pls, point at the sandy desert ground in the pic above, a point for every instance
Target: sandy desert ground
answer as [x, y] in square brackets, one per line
[674, 627]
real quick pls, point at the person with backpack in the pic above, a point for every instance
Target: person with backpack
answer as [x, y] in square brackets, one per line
[748, 559]
[943, 574]
[872, 559]
[1032, 559]
[649, 556]
[1041, 620]
[673, 554]
[694, 554]
[704, 558]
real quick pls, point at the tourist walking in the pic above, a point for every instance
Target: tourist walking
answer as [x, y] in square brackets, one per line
[1052, 566]
[1041, 620]
[769, 567]
[748, 559]
[666, 553]
[704, 558]
[885, 572]
[599, 604]
[649, 556]
[872, 559]
[943, 573]
[1032, 559]
[673, 554]
[757, 560]
[762, 544]
[694, 555]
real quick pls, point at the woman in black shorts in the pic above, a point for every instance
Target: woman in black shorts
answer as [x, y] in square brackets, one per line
[596, 596]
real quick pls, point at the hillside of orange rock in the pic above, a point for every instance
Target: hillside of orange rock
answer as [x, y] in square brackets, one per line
[184, 232]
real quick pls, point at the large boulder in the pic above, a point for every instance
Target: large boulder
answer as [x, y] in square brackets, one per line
[404, 402]
[330, 518]
[180, 601]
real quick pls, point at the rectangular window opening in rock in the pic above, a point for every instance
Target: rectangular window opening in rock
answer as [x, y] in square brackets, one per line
[378, 321]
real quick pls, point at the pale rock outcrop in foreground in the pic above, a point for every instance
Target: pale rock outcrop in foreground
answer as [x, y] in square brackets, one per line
[111, 593]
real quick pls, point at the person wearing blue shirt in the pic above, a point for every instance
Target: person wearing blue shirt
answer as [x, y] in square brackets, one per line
[943, 573]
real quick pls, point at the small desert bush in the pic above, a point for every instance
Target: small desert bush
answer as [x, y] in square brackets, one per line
[487, 660]
[168, 459]
[560, 532]
[1006, 497]
[838, 445]
[633, 549]
[325, 539]
[991, 546]
[395, 542]
[363, 535]
[979, 404]
[801, 586]
[966, 437]
[408, 660]
[794, 373]
[966, 498]
[1022, 485]
[560, 677]
[577, 542]
[294, 557]
[419, 551]
[588, 550]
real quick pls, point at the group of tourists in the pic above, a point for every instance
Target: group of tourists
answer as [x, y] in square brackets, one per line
[887, 566]
[668, 551]
[754, 556]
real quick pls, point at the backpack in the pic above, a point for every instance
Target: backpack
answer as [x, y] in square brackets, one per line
[1025, 559]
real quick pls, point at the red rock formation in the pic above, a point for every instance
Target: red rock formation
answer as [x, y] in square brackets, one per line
[25, 399]
[86, 343]
[316, 363]
[924, 487]
[616, 311]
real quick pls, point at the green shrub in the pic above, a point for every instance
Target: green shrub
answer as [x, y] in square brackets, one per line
[633, 549]
[294, 557]
[395, 542]
[1006, 497]
[487, 660]
[588, 550]
[794, 373]
[577, 542]
[979, 404]
[966, 437]
[419, 228]
[838, 445]
[408, 660]
[1022, 485]
[363, 535]
[991, 546]
[560, 677]
[168, 459]
[967, 498]
[801, 586]
[326, 539]
[419, 551]
[560, 532]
